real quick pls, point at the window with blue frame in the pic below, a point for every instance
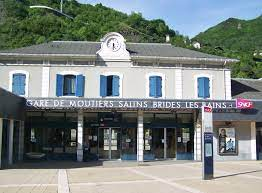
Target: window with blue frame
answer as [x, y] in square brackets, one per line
[155, 86]
[70, 85]
[109, 85]
[18, 84]
[203, 86]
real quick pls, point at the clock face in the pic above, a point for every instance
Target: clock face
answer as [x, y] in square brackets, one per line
[113, 44]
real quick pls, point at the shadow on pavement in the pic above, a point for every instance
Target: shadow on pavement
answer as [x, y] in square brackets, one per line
[54, 164]
[236, 174]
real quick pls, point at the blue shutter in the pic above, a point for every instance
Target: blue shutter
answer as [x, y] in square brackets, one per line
[18, 84]
[59, 85]
[22, 84]
[200, 87]
[15, 84]
[152, 86]
[115, 86]
[158, 86]
[80, 85]
[206, 87]
[103, 86]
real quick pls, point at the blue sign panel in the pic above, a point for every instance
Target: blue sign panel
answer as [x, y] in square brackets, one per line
[208, 156]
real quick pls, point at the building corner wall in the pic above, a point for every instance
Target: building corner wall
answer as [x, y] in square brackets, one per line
[45, 81]
[228, 85]
[253, 141]
[197, 136]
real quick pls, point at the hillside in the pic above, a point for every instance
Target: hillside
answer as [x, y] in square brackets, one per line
[238, 39]
[22, 26]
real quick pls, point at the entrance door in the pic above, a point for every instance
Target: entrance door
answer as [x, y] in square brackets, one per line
[109, 143]
[259, 144]
[171, 145]
[154, 143]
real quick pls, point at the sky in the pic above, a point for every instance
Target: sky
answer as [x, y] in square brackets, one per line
[189, 17]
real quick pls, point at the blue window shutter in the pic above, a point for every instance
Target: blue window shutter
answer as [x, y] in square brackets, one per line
[103, 85]
[158, 86]
[22, 84]
[152, 86]
[80, 85]
[18, 84]
[59, 85]
[200, 87]
[206, 87]
[115, 85]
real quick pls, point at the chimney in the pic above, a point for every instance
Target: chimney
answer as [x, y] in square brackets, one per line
[167, 38]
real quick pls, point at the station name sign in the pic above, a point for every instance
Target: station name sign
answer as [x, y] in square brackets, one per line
[127, 104]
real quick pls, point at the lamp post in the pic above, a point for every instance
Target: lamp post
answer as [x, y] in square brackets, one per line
[61, 6]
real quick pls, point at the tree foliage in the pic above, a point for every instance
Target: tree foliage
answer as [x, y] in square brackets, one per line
[236, 39]
[22, 26]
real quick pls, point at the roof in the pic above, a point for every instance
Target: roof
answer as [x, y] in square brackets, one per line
[11, 105]
[85, 48]
[246, 88]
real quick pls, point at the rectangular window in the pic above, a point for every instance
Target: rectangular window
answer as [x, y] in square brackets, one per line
[203, 85]
[155, 86]
[70, 85]
[109, 85]
[18, 85]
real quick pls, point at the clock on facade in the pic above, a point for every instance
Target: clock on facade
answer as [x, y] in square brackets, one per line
[113, 44]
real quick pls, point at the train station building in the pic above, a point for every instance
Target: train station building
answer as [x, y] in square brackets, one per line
[114, 100]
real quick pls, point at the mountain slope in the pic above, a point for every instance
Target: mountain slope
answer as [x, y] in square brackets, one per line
[22, 26]
[238, 39]
[234, 34]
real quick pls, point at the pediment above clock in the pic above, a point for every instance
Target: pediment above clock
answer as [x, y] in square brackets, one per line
[113, 48]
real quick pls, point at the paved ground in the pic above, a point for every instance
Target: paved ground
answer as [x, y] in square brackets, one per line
[128, 177]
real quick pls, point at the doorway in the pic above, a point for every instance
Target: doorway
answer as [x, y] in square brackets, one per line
[109, 146]
[259, 143]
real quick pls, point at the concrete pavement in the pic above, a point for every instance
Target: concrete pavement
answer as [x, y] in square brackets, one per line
[127, 177]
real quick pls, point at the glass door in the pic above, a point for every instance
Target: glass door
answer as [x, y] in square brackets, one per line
[103, 147]
[259, 144]
[171, 143]
[109, 143]
[184, 144]
[158, 142]
[115, 145]
[129, 136]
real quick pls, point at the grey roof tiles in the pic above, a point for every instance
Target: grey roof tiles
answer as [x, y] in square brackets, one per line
[84, 48]
[246, 88]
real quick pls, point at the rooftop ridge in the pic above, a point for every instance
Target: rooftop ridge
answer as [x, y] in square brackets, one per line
[144, 43]
[70, 41]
